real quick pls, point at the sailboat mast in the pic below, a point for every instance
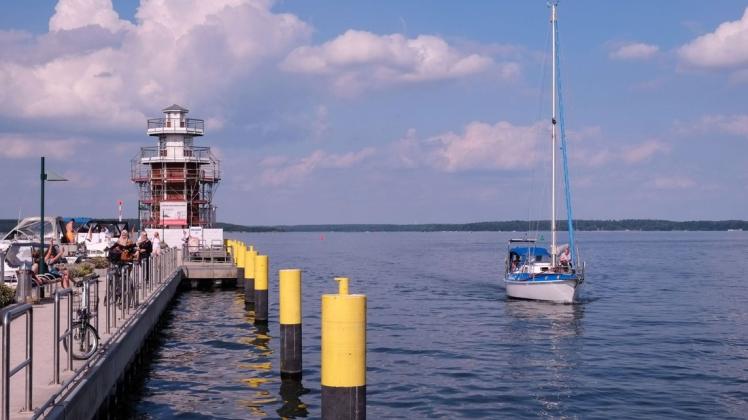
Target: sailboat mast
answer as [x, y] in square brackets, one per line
[553, 136]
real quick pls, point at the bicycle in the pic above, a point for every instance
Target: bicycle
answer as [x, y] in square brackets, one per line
[85, 338]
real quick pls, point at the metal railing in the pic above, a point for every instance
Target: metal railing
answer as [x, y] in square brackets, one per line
[216, 251]
[68, 335]
[92, 304]
[161, 268]
[10, 315]
[173, 124]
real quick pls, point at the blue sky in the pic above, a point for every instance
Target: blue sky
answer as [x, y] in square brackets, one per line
[382, 112]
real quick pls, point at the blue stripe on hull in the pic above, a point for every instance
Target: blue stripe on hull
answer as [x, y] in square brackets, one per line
[540, 278]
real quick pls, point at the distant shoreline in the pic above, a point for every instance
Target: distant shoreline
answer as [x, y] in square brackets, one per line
[648, 225]
[507, 226]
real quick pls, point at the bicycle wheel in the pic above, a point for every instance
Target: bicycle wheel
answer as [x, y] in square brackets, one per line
[85, 341]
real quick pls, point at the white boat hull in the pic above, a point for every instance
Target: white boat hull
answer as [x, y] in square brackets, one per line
[560, 291]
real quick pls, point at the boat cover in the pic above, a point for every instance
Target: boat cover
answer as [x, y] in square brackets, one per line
[524, 251]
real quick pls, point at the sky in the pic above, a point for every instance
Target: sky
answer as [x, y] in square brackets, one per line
[382, 112]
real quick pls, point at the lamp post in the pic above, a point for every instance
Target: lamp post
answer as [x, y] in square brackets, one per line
[43, 176]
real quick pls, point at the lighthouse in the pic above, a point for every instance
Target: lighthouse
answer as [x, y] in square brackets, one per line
[175, 179]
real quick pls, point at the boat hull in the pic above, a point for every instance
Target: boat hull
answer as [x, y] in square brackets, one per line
[559, 291]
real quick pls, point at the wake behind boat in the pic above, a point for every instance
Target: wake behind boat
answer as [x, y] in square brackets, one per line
[549, 274]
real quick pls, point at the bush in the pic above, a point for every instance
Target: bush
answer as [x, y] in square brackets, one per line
[99, 262]
[80, 270]
[7, 295]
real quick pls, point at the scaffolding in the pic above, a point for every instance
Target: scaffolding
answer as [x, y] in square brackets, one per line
[175, 171]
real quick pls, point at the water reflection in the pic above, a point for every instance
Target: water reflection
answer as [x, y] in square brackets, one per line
[551, 354]
[291, 392]
[562, 319]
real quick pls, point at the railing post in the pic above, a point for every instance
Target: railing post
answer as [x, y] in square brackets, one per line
[5, 367]
[96, 301]
[2, 267]
[30, 358]
[67, 336]
[56, 340]
[136, 284]
[5, 371]
[122, 294]
[108, 299]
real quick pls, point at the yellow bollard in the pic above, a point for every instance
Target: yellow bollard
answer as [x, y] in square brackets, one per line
[289, 285]
[240, 258]
[249, 276]
[261, 289]
[343, 354]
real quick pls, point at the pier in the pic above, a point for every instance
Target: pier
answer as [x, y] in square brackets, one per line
[70, 354]
[81, 391]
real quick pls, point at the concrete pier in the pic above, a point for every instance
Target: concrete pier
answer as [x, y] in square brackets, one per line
[84, 389]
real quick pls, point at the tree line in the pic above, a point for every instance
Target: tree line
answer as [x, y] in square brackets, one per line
[505, 226]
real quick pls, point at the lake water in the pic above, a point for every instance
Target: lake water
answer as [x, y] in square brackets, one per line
[662, 331]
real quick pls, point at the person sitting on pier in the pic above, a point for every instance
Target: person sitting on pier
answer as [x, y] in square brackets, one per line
[51, 276]
[53, 254]
[52, 259]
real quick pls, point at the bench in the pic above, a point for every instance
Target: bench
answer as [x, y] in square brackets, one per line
[49, 283]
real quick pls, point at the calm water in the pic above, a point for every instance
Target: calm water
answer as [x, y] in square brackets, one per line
[662, 332]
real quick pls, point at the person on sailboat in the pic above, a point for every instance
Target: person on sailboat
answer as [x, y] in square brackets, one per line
[565, 258]
[515, 260]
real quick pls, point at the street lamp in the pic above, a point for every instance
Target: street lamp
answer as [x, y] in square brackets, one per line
[43, 176]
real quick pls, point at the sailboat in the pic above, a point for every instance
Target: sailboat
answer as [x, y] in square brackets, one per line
[553, 273]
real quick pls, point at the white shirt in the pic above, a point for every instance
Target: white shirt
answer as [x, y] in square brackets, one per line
[156, 245]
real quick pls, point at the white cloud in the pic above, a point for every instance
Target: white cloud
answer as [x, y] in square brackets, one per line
[277, 174]
[674, 183]
[634, 51]
[73, 14]
[502, 146]
[358, 60]
[736, 125]
[597, 153]
[644, 151]
[187, 54]
[19, 146]
[723, 48]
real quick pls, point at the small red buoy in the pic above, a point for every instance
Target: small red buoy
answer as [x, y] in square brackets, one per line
[321, 237]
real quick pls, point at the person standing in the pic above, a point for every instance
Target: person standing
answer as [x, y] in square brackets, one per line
[156, 244]
[145, 247]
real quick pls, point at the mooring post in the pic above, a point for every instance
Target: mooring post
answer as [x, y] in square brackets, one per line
[289, 282]
[249, 277]
[240, 262]
[343, 354]
[261, 289]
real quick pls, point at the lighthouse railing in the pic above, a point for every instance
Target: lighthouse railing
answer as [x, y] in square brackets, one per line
[170, 124]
